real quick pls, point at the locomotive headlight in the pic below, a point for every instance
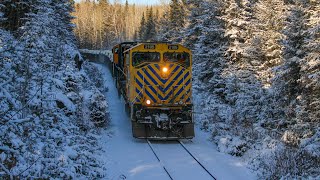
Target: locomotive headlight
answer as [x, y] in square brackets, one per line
[165, 69]
[148, 102]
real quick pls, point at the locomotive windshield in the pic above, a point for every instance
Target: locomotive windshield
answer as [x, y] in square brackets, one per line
[141, 57]
[181, 58]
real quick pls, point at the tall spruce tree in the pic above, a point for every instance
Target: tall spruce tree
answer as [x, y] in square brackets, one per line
[150, 27]
[310, 66]
[142, 29]
[125, 20]
[174, 21]
[237, 20]
[292, 54]
[268, 21]
[177, 14]
[14, 12]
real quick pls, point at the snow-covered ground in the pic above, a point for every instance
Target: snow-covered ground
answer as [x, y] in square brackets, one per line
[129, 158]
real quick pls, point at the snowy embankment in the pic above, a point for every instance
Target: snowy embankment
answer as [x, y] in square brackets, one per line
[129, 158]
[58, 137]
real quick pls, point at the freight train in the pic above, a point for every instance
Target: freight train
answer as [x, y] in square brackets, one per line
[155, 81]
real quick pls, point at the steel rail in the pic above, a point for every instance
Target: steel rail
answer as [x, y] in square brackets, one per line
[195, 158]
[165, 169]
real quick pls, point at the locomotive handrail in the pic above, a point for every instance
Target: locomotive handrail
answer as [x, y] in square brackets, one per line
[121, 71]
[137, 95]
[142, 89]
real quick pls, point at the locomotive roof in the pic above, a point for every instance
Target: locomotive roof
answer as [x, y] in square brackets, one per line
[141, 43]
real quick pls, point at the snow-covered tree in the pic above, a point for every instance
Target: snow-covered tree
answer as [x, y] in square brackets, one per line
[256, 74]
[142, 29]
[310, 66]
[41, 95]
[269, 18]
[289, 71]
[174, 21]
[237, 20]
[151, 26]
[177, 14]
[14, 12]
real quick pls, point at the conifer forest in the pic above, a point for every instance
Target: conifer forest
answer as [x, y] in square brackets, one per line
[255, 87]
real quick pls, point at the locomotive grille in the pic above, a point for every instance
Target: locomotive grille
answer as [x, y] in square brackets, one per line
[174, 89]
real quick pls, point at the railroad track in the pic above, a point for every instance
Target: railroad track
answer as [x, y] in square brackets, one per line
[154, 152]
[186, 150]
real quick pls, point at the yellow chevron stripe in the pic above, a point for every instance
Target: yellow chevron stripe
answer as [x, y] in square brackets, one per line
[163, 94]
[183, 83]
[153, 76]
[172, 88]
[148, 88]
[156, 69]
[173, 76]
[186, 97]
[183, 92]
[179, 79]
[139, 88]
[153, 85]
[178, 96]
[174, 96]
[169, 72]
[159, 73]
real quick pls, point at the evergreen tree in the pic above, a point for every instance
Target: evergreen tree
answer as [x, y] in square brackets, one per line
[310, 105]
[150, 28]
[108, 22]
[174, 21]
[177, 14]
[14, 12]
[286, 81]
[63, 10]
[125, 20]
[135, 36]
[268, 23]
[40, 99]
[40, 40]
[293, 53]
[142, 29]
[237, 20]
[157, 23]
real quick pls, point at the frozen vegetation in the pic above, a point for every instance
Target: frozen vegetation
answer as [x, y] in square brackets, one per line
[256, 89]
[256, 79]
[50, 112]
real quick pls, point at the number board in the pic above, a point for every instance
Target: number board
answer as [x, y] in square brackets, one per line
[149, 46]
[173, 47]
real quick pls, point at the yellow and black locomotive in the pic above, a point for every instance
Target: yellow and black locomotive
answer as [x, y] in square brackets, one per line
[155, 80]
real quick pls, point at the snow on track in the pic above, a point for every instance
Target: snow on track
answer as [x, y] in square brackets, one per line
[221, 165]
[178, 162]
[129, 158]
